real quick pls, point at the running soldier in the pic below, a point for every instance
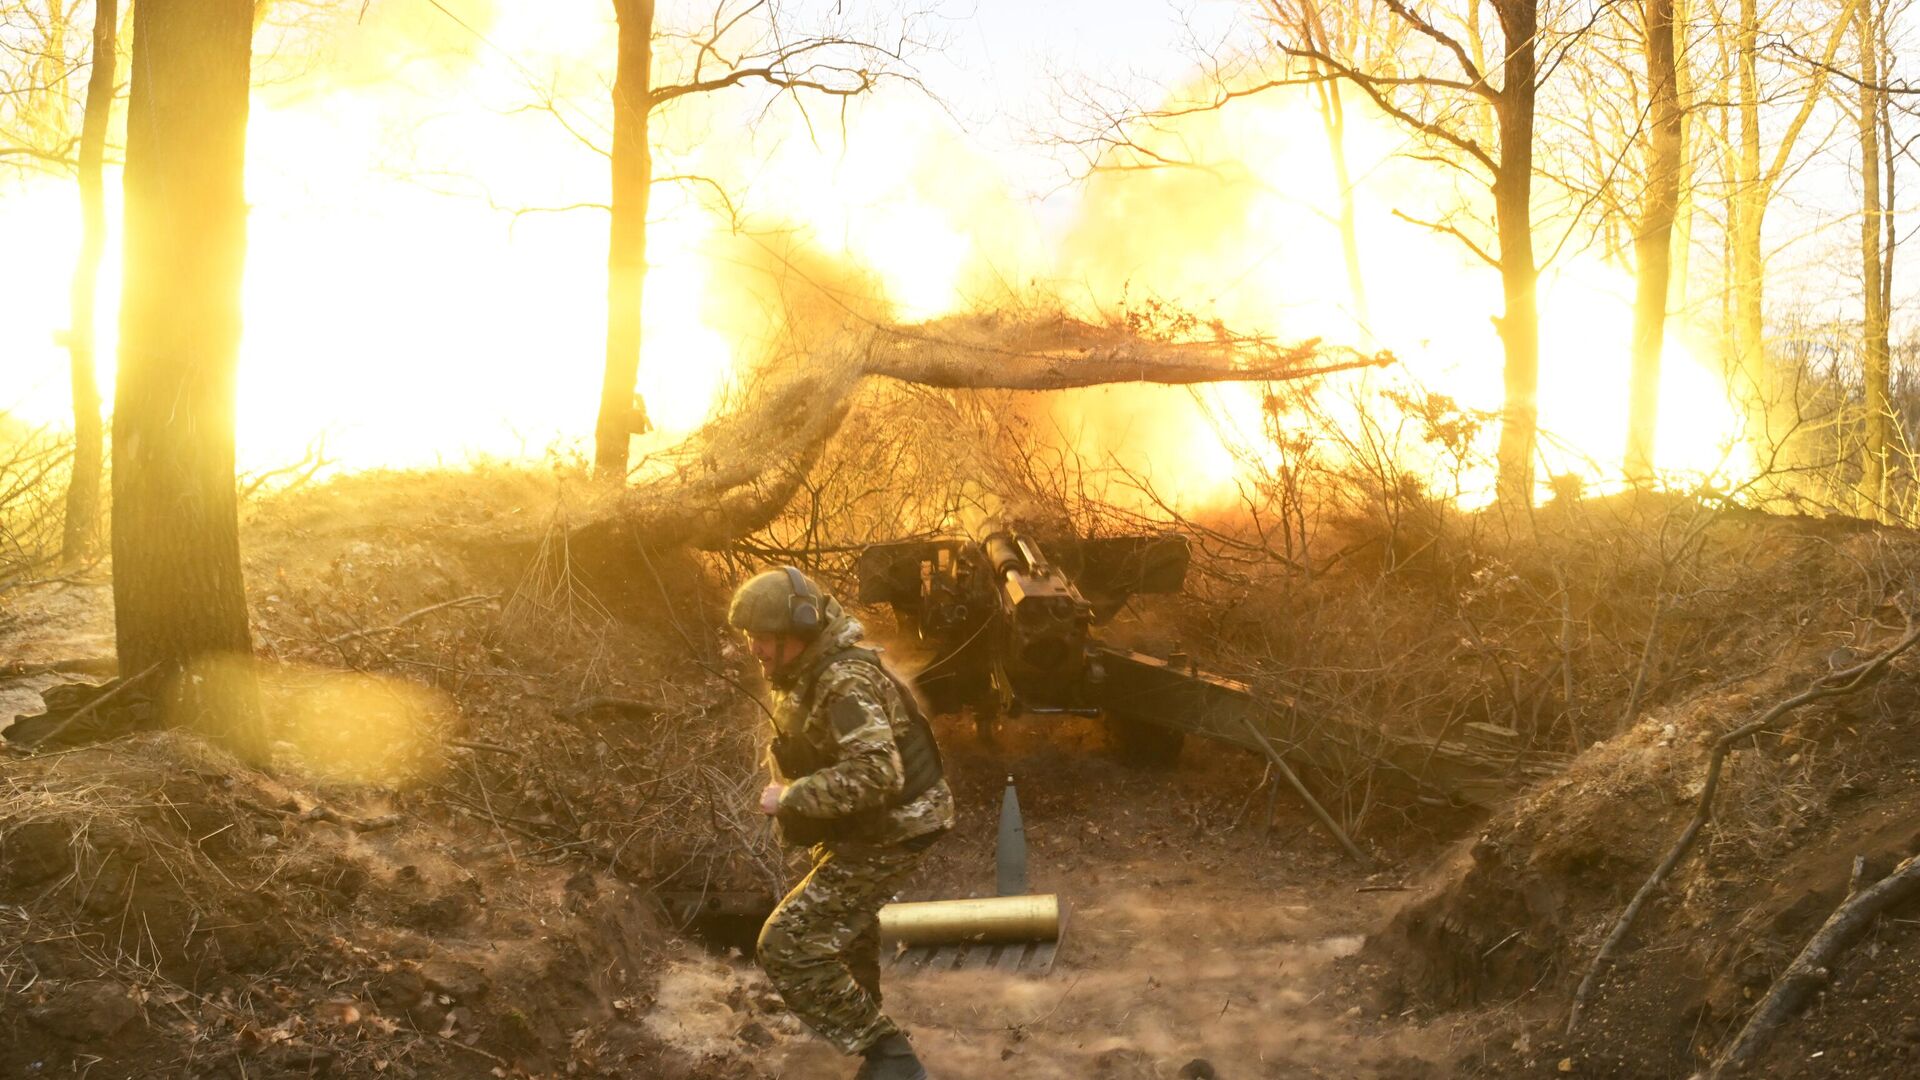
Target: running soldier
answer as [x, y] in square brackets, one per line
[858, 780]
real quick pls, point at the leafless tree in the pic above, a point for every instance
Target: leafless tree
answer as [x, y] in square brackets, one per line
[83, 488]
[744, 43]
[180, 611]
[1653, 238]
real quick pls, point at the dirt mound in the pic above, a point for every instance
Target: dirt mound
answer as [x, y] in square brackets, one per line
[1511, 921]
[478, 771]
[167, 908]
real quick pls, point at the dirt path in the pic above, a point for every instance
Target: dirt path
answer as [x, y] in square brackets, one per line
[1194, 935]
[1187, 939]
[1158, 978]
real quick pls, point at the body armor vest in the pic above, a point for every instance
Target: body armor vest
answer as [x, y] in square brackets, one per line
[919, 755]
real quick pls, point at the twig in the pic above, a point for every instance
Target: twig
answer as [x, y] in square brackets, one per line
[80, 665]
[1300, 789]
[476, 598]
[1646, 655]
[359, 825]
[1838, 683]
[451, 1041]
[86, 710]
[485, 747]
[1043, 1017]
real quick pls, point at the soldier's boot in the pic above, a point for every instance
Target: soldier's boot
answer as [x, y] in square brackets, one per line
[892, 1058]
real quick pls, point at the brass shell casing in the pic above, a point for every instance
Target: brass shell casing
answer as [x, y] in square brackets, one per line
[986, 920]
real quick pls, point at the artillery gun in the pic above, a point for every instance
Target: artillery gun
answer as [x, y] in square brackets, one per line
[1012, 626]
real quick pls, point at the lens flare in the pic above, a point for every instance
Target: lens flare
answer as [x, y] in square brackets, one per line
[354, 727]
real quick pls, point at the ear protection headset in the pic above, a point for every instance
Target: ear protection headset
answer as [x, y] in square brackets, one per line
[803, 607]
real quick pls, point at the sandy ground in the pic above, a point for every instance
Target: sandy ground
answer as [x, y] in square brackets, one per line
[69, 621]
[1198, 944]
[1193, 948]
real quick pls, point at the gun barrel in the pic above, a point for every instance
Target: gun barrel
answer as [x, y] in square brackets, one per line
[1004, 555]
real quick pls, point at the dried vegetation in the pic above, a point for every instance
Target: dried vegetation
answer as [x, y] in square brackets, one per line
[565, 713]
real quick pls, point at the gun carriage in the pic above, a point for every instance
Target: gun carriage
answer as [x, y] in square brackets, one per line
[1012, 626]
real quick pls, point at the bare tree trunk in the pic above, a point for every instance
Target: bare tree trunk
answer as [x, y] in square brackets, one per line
[1333, 118]
[1682, 247]
[1770, 418]
[1519, 275]
[1745, 210]
[622, 414]
[1875, 352]
[179, 602]
[82, 527]
[1653, 240]
[1889, 153]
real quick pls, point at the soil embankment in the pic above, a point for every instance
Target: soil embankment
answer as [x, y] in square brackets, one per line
[486, 760]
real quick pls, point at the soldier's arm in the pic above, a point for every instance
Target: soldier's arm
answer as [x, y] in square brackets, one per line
[869, 773]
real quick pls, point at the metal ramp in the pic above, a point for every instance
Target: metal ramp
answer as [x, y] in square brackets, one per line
[1031, 958]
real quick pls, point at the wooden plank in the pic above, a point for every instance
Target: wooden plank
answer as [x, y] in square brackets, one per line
[907, 961]
[944, 958]
[1040, 960]
[977, 957]
[1011, 958]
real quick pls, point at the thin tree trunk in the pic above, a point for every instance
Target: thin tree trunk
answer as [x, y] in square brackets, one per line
[1875, 351]
[1519, 275]
[1333, 117]
[1899, 502]
[1771, 417]
[622, 414]
[1745, 210]
[1682, 248]
[82, 526]
[179, 602]
[1333, 120]
[1653, 240]
[1725, 108]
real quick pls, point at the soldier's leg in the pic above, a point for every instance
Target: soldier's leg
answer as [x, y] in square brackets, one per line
[863, 958]
[808, 947]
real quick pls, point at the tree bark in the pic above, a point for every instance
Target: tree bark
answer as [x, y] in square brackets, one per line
[1875, 351]
[622, 413]
[82, 525]
[179, 602]
[1653, 240]
[1519, 274]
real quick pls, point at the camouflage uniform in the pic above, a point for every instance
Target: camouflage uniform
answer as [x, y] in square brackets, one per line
[821, 946]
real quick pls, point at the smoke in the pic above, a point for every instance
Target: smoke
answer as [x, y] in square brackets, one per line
[428, 185]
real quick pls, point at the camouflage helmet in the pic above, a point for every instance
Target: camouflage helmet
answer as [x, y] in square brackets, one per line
[778, 601]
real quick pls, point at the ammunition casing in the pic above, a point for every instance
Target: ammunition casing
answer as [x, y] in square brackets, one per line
[987, 920]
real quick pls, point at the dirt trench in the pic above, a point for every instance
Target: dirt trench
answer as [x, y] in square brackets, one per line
[1196, 944]
[457, 942]
[1200, 941]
